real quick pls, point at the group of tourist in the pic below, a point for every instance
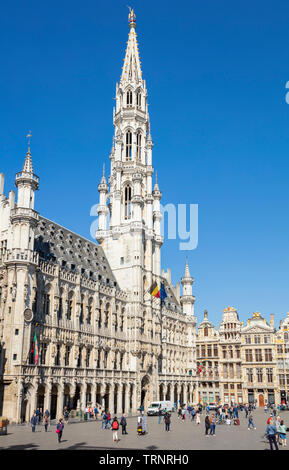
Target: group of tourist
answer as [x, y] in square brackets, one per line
[222, 414]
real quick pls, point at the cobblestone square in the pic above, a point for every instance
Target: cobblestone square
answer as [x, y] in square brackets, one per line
[185, 435]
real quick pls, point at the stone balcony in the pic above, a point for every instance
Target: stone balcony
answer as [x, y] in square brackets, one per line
[23, 213]
[16, 255]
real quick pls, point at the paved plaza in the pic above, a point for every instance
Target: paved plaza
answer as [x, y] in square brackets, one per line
[183, 436]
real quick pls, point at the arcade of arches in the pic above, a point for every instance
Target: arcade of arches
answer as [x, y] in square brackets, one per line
[121, 397]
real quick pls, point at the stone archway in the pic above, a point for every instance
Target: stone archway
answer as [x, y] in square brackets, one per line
[145, 392]
[26, 408]
[261, 400]
[54, 396]
[66, 396]
[161, 392]
[40, 397]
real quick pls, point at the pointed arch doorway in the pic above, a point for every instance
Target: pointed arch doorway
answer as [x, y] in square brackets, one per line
[145, 392]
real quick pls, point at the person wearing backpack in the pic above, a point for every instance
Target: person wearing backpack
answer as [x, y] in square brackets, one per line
[114, 428]
[59, 429]
[167, 420]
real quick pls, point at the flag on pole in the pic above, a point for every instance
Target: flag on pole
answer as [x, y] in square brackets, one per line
[154, 290]
[35, 349]
[163, 293]
[200, 368]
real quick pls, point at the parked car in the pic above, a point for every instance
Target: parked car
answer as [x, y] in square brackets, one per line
[153, 409]
[213, 406]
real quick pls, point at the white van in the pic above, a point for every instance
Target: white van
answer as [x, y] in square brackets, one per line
[153, 409]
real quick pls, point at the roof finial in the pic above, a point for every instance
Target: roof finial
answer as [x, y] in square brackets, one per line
[131, 17]
[29, 135]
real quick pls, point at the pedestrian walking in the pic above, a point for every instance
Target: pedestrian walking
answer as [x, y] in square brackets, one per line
[66, 415]
[213, 426]
[123, 424]
[59, 429]
[198, 418]
[95, 412]
[108, 420]
[271, 432]
[34, 421]
[160, 414]
[115, 427]
[167, 420]
[282, 434]
[250, 422]
[103, 419]
[207, 425]
[183, 414]
[46, 422]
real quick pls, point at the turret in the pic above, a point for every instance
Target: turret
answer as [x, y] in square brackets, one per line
[102, 208]
[187, 299]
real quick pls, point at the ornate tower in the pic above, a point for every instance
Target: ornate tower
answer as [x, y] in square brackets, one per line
[21, 262]
[187, 299]
[132, 238]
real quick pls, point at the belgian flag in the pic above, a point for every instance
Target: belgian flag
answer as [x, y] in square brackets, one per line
[154, 290]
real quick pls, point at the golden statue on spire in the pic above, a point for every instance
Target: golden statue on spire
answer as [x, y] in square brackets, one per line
[131, 15]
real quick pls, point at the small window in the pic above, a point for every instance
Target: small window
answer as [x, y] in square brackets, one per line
[14, 357]
[16, 332]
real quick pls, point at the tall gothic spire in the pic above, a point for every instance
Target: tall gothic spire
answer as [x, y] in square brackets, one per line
[28, 167]
[131, 70]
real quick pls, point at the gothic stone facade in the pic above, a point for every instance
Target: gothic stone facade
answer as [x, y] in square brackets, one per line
[102, 338]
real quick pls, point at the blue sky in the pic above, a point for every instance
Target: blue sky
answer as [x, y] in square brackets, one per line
[216, 75]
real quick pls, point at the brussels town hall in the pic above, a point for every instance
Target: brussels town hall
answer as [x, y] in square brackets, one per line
[78, 325]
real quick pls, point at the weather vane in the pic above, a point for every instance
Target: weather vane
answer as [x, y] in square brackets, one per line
[29, 135]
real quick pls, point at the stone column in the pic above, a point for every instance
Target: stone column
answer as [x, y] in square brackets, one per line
[19, 401]
[185, 394]
[60, 394]
[102, 393]
[165, 389]
[83, 397]
[47, 398]
[34, 398]
[172, 394]
[127, 398]
[111, 398]
[119, 398]
[93, 393]
[134, 399]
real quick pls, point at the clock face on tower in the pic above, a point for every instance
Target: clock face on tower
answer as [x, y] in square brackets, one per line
[28, 315]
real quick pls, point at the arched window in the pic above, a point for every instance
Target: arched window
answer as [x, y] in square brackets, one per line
[138, 146]
[129, 99]
[138, 99]
[128, 145]
[206, 331]
[127, 202]
[69, 305]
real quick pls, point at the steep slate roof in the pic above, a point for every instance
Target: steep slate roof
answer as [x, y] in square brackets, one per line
[57, 244]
